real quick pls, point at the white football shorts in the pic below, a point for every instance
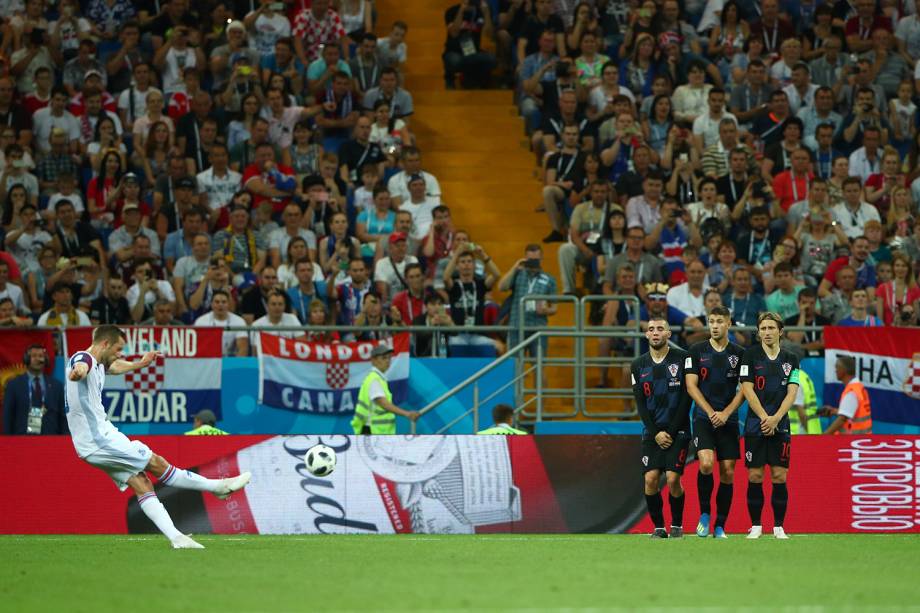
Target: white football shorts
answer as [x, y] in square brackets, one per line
[121, 458]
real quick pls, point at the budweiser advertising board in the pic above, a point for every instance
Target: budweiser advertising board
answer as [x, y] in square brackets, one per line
[450, 484]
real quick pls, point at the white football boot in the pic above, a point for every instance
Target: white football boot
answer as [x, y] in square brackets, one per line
[184, 541]
[232, 484]
[779, 533]
[755, 532]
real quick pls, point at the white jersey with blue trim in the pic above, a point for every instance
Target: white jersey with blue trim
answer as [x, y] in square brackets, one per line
[86, 416]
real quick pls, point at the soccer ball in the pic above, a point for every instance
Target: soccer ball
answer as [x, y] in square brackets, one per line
[320, 460]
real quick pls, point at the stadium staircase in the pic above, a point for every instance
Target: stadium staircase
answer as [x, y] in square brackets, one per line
[473, 141]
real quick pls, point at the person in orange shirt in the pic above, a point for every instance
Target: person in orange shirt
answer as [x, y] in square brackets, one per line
[854, 415]
[791, 186]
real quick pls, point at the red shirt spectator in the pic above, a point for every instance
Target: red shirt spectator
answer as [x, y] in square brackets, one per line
[857, 27]
[314, 27]
[279, 173]
[788, 190]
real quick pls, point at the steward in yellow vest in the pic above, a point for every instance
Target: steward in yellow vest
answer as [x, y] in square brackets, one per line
[503, 418]
[854, 415]
[204, 424]
[376, 413]
[805, 419]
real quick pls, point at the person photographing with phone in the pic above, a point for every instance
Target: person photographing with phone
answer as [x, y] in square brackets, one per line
[527, 278]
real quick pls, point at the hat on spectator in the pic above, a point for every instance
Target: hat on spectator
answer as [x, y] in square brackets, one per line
[130, 206]
[205, 416]
[416, 177]
[236, 25]
[381, 350]
[130, 177]
[395, 237]
[233, 208]
[92, 73]
[186, 183]
[239, 56]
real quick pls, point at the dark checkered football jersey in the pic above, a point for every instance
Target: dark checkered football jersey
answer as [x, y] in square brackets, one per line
[718, 375]
[771, 379]
[660, 387]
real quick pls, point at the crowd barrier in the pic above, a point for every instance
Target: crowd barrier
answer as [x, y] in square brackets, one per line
[448, 485]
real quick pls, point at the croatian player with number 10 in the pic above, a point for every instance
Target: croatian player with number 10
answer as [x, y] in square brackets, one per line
[100, 444]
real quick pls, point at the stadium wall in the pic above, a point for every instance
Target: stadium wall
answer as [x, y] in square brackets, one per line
[446, 484]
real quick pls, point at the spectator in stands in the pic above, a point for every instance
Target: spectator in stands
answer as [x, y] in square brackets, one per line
[411, 163]
[467, 291]
[411, 301]
[398, 99]
[859, 261]
[433, 344]
[784, 299]
[392, 49]
[348, 294]
[13, 115]
[276, 316]
[744, 304]
[835, 300]
[8, 317]
[365, 67]
[377, 224]
[146, 290]
[537, 70]
[562, 170]
[253, 302]
[25, 242]
[242, 248]
[15, 173]
[190, 270]
[587, 225]
[132, 102]
[372, 315]
[307, 290]
[236, 342]
[466, 23]
[32, 52]
[217, 185]
[859, 315]
[688, 296]
[358, 152]
[542, 18]
[62, 312]
[437, 245]
[527, 278]
[321, 70]
[647, 267]
[791, 186]
[901, 290]
[121, 241]
[11, 290]
[655, 305]
[644, 210]
[111, 307]
[162, 314]
[314, 27]
[389, 272]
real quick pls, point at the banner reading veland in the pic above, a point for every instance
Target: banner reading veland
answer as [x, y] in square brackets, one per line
[324, 377]
[174, 387]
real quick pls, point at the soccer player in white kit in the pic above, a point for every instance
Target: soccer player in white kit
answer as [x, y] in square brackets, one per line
[99, 443]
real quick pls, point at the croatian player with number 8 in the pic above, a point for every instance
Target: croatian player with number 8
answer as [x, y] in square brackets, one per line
[663, 404]
[100, 444]
[712, 382]
[769, 380]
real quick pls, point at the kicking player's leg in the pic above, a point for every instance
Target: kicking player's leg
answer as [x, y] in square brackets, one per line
[186, 479]
[676, 503]
[779, 499]
[654, 503]
[156, 512]
[725, 494]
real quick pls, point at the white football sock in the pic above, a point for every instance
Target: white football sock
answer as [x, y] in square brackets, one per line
[187, 480]
[156, 512]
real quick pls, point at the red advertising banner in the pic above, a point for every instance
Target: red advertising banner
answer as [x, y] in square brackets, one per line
[449, 484]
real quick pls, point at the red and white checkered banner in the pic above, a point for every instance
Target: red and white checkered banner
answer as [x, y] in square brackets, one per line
[184, 380]
[324, 378]
[887, 363]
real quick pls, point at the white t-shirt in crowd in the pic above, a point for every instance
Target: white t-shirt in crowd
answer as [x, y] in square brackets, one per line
[229, 338]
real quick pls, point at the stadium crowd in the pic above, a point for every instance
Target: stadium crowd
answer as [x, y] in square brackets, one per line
[754, 154]
[233, 163]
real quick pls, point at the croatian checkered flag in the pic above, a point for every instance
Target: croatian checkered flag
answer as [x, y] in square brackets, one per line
[147, 380]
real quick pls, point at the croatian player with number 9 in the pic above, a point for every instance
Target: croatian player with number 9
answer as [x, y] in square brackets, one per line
[769, 380]
[100, 444]
[664, 406]
[712, 382]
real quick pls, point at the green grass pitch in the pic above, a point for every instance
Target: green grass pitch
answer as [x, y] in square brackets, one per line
[498, 572]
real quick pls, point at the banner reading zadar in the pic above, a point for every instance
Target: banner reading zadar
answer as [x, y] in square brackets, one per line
[887, 363]
[173, 387]
[325, 378]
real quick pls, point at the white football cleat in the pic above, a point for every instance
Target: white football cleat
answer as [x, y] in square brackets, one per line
[779, 533]
[755, 532]
[232, 484]
[184, 541]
